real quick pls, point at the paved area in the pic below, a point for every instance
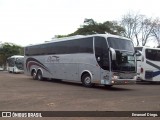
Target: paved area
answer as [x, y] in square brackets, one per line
[19, 92]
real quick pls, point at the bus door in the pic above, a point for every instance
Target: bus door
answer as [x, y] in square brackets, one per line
[139, 63]
[102, 57]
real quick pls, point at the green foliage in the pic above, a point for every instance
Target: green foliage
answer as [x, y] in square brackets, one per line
[9, 49]
[91, 27]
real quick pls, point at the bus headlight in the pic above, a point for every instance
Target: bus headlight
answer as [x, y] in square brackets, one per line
[112, 81]
[115, 77]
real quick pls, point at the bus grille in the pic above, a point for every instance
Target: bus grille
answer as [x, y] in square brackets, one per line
[127, 68]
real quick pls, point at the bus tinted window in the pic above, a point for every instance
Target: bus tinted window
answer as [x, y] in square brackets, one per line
[11, 62]
[72, 46]
[84, 45]
[120, 44]
[59, 48]
[153, 54]
[102, 53]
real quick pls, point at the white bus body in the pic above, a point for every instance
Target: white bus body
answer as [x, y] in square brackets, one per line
[148, 64]
[15, 64]
[101, 58]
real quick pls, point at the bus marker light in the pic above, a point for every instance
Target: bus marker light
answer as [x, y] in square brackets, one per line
[112, 82]
[141, 70]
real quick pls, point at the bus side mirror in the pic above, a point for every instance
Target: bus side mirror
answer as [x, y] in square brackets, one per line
[113, 54]
[138, 53]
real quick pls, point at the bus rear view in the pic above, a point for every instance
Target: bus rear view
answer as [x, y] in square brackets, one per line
[148, 67]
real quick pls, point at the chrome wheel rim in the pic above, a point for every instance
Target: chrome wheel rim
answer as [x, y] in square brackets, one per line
[87, 80]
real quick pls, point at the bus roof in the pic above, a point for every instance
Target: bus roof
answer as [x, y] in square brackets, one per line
[16, 56]
[80, 36]
[147, 47]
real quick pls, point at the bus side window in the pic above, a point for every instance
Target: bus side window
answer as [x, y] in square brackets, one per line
[102, 53]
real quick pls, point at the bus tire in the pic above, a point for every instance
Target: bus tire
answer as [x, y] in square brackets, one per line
[86, 80]
[34, 75]
[39, 75]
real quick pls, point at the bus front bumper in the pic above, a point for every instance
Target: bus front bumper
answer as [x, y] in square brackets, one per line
[115, 81]
[123, 81]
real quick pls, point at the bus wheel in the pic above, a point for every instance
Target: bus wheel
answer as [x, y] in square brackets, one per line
[34, 75]
[39, 75]
[86, 80]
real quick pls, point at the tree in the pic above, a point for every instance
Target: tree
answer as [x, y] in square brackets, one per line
[138, 27]
[131, 23]
[147, 29]
[90, 27]
[156, 31]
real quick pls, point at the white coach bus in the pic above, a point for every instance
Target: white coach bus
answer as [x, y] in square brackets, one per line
[15, 64]
[148, 64]
[102, 58]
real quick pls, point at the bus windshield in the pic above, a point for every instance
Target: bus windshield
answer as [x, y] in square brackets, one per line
[124, 62]
[19, 63]
[152, 54]
[120, 44]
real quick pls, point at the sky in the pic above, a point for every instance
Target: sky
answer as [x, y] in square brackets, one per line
[25, 22]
